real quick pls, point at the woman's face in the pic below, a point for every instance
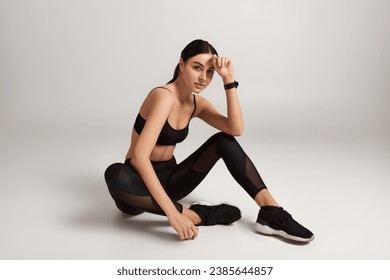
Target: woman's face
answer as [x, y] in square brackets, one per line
[197, 72]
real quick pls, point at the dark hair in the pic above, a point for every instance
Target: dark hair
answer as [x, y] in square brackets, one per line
[192, 49]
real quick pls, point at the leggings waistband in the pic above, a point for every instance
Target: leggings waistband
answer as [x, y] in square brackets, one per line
[158, 165]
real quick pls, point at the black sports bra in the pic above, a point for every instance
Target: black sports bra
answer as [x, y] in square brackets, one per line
[168, 135]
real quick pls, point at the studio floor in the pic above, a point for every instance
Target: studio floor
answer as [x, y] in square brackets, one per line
[54, 203]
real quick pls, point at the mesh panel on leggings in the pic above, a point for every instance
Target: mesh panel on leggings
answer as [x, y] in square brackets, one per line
[146, 203]
[253, 175]
[207, 160]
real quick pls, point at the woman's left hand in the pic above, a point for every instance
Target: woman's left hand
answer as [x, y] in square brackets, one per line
[224, 68]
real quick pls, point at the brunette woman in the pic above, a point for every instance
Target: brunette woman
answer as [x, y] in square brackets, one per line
[151, 180]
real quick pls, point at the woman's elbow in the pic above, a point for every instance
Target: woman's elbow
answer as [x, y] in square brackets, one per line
[237, 131]
[138, 160]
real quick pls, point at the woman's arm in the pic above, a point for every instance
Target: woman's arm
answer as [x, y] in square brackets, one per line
[160, 103]
[232, 124]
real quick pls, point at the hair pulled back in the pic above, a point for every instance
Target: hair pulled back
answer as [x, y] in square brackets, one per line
[192, 49]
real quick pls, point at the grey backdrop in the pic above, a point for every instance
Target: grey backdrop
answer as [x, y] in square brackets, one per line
[314, 86]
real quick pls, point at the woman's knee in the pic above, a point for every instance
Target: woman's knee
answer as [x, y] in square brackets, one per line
[113, 174]
[123, 178]
[224, 141]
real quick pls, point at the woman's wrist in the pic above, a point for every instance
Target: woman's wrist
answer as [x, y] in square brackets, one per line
[228, 80]
[171, 212]
[232, 85]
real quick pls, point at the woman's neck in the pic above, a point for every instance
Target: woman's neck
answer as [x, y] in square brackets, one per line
[181, 91]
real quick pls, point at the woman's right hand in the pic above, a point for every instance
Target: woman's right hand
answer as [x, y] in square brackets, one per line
[183, 225]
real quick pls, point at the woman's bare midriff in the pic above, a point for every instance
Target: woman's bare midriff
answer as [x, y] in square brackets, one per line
[159, 153]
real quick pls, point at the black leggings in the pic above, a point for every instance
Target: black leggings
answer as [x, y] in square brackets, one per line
[131, 195]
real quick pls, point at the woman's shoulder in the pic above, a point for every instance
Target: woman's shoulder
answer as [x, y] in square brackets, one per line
[201, 101]
[201, 104]
[158, 96]
[161, 89]
[160, 92]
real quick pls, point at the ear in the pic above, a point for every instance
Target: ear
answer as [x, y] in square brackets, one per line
[181, 63]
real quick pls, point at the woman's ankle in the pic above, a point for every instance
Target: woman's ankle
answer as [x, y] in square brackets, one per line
[192, 216]
[264, 198]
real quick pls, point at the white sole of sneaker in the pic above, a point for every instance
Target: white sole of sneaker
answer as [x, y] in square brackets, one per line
[270, 231]
[208, 203]
[200, 202]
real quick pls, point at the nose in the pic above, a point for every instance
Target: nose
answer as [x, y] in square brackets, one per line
[202, 76]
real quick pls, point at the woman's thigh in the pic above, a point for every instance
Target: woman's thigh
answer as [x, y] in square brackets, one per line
[189, 173]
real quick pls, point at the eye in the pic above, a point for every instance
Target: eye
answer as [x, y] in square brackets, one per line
[197, 68]
[210, 72]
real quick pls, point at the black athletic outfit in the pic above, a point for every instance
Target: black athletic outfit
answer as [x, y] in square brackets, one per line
[132, 196]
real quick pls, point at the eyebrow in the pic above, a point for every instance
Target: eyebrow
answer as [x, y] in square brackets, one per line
[197, 62]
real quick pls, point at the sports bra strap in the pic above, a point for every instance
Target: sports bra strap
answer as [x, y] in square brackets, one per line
[194, 107]
[193, 112]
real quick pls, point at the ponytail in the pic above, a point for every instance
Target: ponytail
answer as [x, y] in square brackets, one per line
[175, 74]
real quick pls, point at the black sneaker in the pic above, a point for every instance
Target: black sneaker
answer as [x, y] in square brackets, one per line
[277, 221]
[222, 214]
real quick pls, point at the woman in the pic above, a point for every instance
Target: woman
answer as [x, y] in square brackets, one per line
[150, 179]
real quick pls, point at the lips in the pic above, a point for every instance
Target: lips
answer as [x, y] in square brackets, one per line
[199, 85]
